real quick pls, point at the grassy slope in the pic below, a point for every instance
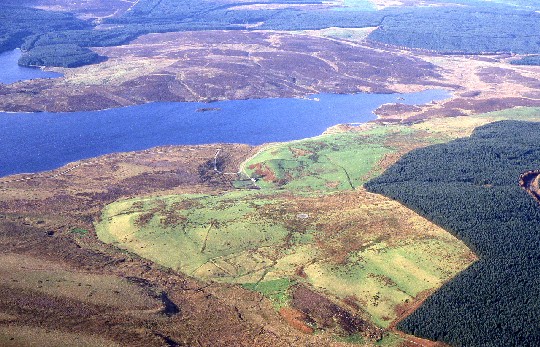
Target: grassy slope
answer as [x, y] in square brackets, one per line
[306, 224]
[355, 245]
[322, 164]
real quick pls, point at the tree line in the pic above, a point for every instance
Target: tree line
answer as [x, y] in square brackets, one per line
[469, 29]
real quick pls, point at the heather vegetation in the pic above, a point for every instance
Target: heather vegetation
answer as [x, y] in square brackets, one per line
[470, 187]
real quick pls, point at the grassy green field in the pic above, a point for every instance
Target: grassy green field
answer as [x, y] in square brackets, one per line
[223, 236]
[278, 290]
[382, 277]
[352, 245]
[447, 129]
[310, 222]
[349, 34]
[326, 163]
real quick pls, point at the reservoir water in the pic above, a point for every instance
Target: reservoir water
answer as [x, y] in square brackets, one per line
[11, 72]
[31, 142]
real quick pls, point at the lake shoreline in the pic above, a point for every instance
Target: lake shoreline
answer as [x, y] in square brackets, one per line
[12, 72]
[45, 140]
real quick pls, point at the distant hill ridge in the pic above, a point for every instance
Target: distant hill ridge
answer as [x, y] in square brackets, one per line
[60, 39]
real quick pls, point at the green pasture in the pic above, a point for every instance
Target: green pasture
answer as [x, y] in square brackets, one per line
[260, 241]
[446, 129]
[382, 276]
[350, 34]
[261, 238]
[276, 290]
[222, 236]
[326, 163]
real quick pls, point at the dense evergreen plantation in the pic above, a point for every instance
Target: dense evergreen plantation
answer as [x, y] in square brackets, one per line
[474, 30]
[470, 187]
[18, 23]
[171, 15]
[65, 55]
[475, 27]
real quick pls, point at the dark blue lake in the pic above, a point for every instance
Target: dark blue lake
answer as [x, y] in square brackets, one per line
[11, 72]
[32, 142]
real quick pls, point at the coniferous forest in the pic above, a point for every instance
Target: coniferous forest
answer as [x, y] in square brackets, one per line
[470, 187]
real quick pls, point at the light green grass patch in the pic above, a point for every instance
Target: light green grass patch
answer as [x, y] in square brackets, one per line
[356, 5]
[447, 129]
[236, 237]
[355, 339]
[276, 290]
[79, 231]
[349, 34]
[322, 164]
[382, 277]
[516, 113]
[390, 339]
[219, 237]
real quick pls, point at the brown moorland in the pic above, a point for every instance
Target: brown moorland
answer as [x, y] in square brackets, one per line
[222, 65]
[60, 284]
